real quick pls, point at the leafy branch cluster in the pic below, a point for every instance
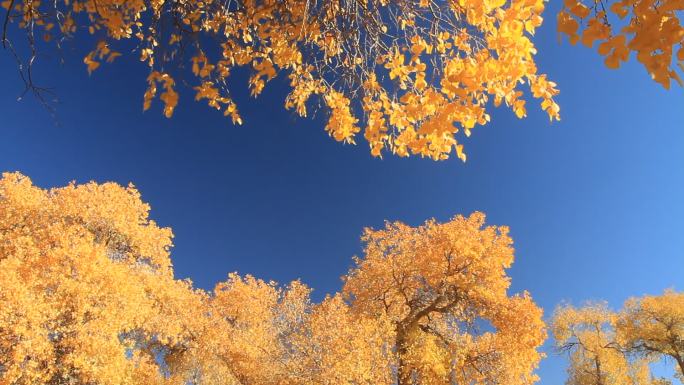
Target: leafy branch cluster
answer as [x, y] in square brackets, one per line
[410, 74]
[652, 29]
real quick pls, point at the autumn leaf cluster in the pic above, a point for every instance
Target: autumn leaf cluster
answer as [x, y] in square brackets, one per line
[650, 29]
[413, 77]
[410, 75]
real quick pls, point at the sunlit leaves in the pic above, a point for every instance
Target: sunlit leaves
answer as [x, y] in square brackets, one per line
[169, 96]
[414, 76]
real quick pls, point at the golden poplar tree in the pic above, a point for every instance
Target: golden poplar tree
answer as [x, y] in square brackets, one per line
[257, 325]
[266, 334]
[608, 347]
[87, 294]
[340, 346]
[587, 335]
[442, 287]
[653, 327]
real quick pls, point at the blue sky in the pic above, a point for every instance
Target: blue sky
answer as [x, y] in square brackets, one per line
[595, 203]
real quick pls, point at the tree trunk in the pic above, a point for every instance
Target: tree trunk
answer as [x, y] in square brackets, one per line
[403, 377]
[680, 361]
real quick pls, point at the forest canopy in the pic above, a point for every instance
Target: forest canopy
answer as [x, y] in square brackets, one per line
[88, 296]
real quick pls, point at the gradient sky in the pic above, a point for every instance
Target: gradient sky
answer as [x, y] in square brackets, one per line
[595, 203]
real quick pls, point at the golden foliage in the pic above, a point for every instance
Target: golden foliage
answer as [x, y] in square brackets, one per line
[87, 296]
[410, 74]
[651, 29]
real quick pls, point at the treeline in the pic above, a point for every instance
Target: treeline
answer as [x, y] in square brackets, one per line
[88, 296]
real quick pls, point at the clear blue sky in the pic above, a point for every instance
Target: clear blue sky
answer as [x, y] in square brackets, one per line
[595, 202]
